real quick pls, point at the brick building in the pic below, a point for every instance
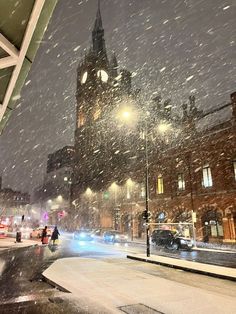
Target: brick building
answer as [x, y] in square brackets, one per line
[198, 172]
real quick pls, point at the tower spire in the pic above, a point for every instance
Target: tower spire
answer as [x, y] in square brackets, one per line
[98, 21]
[99, 47]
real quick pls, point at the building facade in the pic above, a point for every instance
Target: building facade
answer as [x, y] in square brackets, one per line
[52, 200]
[192, 169]
[13, 206]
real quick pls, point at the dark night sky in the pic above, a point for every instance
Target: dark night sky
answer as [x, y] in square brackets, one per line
[175, 47]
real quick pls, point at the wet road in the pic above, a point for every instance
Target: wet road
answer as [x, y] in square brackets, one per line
[213, 258]
[21, 282]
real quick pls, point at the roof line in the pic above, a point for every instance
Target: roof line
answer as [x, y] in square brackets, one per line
[215, 110]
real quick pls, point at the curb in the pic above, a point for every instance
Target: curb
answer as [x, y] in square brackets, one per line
[13, 248]
[53, 284]
[182, 268]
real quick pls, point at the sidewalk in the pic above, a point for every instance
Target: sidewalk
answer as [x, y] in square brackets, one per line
[201, 268]
[105, 287]
[9, 243]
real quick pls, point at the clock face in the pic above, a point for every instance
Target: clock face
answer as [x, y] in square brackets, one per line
[84, 77]
[103, 75]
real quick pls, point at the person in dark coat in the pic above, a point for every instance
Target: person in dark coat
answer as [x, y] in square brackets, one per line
[55, 235]
[44, 235]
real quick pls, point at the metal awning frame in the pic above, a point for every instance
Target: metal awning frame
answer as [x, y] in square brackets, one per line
[16, 57]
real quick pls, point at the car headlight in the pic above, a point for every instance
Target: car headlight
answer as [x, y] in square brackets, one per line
[117, 236]
[126, 237]
[182, 241]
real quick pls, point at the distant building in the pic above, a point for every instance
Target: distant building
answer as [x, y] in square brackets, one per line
[53, 197]
[13, 204]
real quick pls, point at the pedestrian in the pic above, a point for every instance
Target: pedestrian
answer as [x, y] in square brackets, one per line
[44, 238]
[55, 235]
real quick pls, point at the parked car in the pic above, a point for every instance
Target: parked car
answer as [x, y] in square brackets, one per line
[171, 239]
[114, 236]
[83, 235]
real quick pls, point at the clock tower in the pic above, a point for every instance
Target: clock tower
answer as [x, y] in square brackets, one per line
[100, 87]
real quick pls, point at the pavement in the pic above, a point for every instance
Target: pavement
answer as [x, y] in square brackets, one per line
[192, 266]
[112, 288]
[9, 243]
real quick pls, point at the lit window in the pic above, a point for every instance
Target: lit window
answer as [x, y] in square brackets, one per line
[181, 182]
[207, 178]
[160, 185]
[81, 119]
[103, 75]
[234, 165]
[143, 191]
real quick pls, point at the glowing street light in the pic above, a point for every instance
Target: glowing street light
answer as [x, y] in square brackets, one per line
[88, 192]
[114, 188]
[124, 113]
[59, 198]
[163, 127]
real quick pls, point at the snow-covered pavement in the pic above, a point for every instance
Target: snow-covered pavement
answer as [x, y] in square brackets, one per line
[213, 270]
[108, 286]
[9, 243]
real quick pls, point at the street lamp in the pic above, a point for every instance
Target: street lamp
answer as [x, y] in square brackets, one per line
[126, 115]
[114, 188]
[130, 184]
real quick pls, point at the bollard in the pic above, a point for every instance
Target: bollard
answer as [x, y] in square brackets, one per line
[18, 236]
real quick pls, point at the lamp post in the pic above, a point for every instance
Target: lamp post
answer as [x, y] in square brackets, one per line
[147, 189]
[126, 114]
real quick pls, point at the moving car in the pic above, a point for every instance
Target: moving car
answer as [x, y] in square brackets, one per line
[83, 235]
[171, 239]
[114, 236]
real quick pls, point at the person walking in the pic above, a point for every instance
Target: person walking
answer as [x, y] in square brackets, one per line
[55, 235]
[44, 238]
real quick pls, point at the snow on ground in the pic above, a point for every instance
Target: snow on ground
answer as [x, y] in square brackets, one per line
[7, 243]
[111, 285]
